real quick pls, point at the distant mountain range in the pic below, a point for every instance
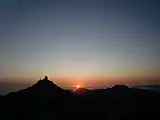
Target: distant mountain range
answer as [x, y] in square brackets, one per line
[155, 88]
[47, 101]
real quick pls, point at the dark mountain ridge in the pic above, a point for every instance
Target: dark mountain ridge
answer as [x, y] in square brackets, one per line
[47, 101]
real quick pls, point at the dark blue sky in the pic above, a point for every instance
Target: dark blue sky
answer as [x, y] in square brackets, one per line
[79, 38]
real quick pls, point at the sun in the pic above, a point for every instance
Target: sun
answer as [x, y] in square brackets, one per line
[77, 86]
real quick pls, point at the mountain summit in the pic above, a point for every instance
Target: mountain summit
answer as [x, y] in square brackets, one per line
[44, 87]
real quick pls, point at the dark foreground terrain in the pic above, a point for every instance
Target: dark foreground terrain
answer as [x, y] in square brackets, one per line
[47, 101]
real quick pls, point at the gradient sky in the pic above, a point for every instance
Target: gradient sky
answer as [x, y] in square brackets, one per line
[79, 38]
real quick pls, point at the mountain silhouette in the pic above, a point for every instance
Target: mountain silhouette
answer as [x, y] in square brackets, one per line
[46, 101]
[120, 87]
[42, 88]
[81, 91]
[45, 86]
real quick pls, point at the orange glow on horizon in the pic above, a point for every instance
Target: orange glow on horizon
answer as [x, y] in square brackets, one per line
[77, 86]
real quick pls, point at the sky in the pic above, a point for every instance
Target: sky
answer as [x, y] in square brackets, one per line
[79, 40]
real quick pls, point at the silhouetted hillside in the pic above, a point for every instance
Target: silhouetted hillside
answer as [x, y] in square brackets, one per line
[47, 101]
[81, 91]
[155, 88]
[43, 87]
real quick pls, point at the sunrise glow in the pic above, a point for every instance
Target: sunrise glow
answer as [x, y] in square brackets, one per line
[77, 86]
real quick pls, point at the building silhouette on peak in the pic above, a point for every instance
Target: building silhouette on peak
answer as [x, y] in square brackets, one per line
[45, 78]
